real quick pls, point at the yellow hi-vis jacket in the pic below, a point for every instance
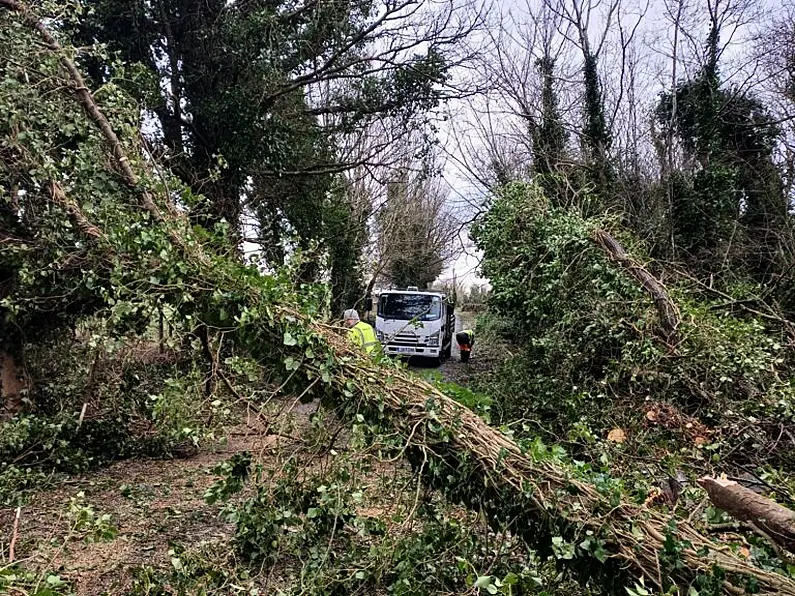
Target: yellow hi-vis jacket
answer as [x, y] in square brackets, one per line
[363, 335]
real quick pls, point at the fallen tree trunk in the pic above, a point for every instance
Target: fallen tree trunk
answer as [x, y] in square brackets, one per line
[518, 486]
[479, 465]
[666, 309]
[773, 520]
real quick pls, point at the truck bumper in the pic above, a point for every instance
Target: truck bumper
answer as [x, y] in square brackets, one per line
[424, 351]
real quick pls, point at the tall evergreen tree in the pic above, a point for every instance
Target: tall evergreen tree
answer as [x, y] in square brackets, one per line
[235, 89]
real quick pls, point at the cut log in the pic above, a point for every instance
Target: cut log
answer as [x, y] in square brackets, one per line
[775, 521]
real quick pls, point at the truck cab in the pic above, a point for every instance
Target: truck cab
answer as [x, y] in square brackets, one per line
[415, 323]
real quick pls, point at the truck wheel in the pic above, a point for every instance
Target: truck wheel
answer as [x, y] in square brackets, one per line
[446, 352]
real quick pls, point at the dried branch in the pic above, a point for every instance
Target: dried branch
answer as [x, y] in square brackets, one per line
[14, 535]
[59, 197]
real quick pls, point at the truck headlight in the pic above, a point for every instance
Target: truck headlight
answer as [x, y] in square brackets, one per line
[433, 339]
[379, 335]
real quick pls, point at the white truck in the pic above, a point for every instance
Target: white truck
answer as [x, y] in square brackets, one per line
[415, 323]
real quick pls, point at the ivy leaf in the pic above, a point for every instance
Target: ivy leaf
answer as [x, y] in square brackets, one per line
[289, 340]
[484, 582]
[600, 553]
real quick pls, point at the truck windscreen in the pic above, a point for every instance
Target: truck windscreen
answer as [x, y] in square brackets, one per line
[405, 307]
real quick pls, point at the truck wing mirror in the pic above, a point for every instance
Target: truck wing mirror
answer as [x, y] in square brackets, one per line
[368, 304]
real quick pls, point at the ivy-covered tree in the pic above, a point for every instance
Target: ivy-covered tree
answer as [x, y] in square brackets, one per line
[256, 92]
[345, 220]
[549, 137]
[596, 137]
[730, 139]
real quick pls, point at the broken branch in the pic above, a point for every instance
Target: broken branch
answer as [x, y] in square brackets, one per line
[669, 314]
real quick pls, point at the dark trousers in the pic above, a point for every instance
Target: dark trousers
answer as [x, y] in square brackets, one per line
[464, 339]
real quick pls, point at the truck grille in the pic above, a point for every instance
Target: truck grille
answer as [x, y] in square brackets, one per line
[404, 339]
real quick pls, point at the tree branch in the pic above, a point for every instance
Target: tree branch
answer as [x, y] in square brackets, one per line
[669, 314]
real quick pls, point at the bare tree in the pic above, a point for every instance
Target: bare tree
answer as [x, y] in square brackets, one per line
[415, 228]
[542, 64]
[776, 54]
[493, 133]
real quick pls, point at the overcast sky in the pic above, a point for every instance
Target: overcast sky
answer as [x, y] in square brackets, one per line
[651, 47]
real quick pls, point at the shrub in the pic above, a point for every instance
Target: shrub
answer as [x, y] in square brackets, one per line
[589, 346]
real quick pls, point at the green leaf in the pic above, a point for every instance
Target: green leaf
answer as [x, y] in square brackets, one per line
[511, 579]
[56, 581]
[637, 590]
[289, 340]
[600, 553]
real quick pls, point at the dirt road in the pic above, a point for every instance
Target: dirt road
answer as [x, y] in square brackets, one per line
[452, 369]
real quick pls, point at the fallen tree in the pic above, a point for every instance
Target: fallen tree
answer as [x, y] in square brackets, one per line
[149, 255]
[514, 486]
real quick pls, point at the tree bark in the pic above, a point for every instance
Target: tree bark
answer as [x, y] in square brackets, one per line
[773, 520]
[669, 314]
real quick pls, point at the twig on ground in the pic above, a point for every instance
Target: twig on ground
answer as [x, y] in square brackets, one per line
[14, 535]
[410, 516]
